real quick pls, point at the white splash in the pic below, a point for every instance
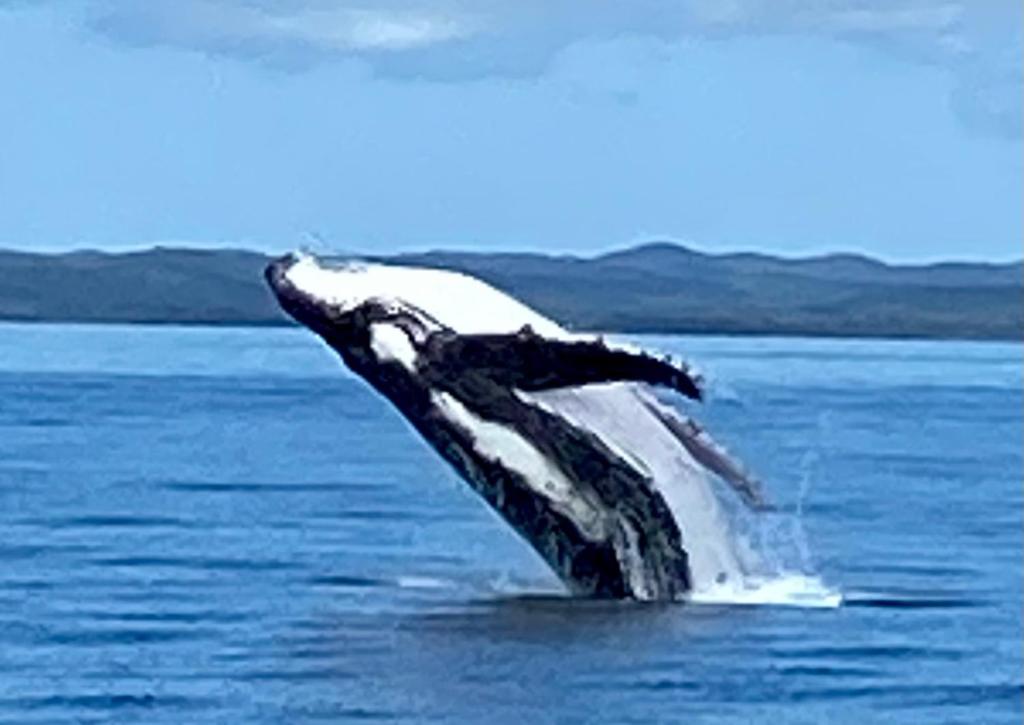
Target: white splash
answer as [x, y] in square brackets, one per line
[782, 590]
[423, 582]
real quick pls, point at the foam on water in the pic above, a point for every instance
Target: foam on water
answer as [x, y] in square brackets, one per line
[785, 590]
[779, 567]
[423, 582]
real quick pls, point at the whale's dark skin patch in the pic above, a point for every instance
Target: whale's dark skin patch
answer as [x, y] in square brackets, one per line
[530, 362]
[483, 372]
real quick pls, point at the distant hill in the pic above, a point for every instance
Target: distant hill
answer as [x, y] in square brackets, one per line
[652, 288]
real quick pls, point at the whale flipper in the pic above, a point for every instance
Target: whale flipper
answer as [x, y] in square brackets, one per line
[531, 363]
[712, 456]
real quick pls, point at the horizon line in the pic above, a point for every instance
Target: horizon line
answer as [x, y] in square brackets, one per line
[325, 249]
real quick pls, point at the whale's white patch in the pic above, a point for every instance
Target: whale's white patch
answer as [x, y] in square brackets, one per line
[632, 561]
[616, 415]
[500, 443]
[389, 342]
[567, 414]
[462, 303]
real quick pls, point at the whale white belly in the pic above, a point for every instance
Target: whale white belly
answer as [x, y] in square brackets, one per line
[616, 414]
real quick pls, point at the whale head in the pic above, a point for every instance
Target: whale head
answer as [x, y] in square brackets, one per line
[334, 297]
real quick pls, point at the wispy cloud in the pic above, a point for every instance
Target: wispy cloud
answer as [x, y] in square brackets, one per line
[447, 40]
[354, 30]
[302, 32]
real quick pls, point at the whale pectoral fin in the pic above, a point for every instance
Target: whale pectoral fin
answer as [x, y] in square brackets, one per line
[569, 364]
[530, 362]
[712, 456]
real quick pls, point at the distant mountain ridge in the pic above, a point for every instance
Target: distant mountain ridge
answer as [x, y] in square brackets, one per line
[657, 287]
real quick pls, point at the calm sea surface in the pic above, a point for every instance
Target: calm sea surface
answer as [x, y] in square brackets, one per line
[222, 525]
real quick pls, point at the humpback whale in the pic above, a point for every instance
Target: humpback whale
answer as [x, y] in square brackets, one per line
[560, 433]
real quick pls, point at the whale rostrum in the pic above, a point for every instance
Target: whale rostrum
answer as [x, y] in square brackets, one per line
[542, 424]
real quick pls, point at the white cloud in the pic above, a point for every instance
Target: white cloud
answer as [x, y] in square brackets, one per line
[980, 42]
[353, 30]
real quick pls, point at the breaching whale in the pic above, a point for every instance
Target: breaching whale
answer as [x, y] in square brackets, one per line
[560, 433]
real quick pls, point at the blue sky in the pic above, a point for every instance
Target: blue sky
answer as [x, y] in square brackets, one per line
[892, 128]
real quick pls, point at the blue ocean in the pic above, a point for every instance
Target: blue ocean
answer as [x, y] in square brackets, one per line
[223, 525]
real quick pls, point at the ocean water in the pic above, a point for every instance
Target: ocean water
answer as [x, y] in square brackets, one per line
[222, 525]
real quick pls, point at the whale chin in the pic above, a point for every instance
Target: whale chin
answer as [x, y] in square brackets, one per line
[308, 291]
[277, 271]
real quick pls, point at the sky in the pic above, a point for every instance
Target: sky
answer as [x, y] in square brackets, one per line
[891, 128]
